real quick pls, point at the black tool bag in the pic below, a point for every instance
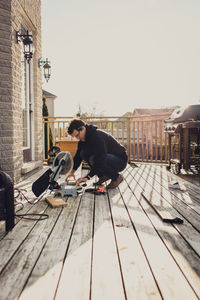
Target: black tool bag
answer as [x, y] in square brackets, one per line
[7, 200]
[42, 183]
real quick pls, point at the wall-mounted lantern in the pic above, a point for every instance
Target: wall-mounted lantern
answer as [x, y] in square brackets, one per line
[46, 66]
[27, 40]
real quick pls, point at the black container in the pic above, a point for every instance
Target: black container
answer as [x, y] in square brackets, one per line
[7, 200]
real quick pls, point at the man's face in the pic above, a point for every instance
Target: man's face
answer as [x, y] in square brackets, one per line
[80, 135]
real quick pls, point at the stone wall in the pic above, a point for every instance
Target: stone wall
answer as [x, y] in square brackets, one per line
[13, 14]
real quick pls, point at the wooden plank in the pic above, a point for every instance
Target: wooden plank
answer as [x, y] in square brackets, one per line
[181, 207]
[133, 124]
[128, 138]
[106, 276]
[56, 202]
[117, 124]
[142, 140]
[75, 276]
[59, 137]
[147, 140]
[13, 277]
[160, 139]
[48, 142]
[164, 210]
[45, 275]
[24, 210]
[156, 140]
[138, 140]
[15, 238]
[166, 146]
[138, 279]
[171, 282]
[187, 260]
[123, 133]
[190, 177]
[164, 177]
[162, 183]
[189, 192]
[2, 229]
[53, 132]
[151, 141]
[191, 187]
[185, 229]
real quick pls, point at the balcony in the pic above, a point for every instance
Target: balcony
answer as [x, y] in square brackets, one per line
[125, 244]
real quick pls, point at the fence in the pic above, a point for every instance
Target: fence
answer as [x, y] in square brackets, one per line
[143, 135]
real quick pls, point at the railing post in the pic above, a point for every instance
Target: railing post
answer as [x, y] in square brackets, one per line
[128, 139]
[133, 126]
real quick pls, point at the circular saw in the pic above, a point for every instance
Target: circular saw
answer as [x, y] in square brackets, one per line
[62, 165]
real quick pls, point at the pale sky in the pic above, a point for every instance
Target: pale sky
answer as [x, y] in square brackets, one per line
[117, 55]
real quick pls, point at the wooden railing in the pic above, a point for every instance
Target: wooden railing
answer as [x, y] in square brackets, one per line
[143, 136]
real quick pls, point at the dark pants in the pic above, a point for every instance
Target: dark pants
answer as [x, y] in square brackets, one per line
[111, 166]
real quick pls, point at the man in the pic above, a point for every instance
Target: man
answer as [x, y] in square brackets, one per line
[103, 153]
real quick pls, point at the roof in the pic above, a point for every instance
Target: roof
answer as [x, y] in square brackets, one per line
[152, 111]
[48, 95]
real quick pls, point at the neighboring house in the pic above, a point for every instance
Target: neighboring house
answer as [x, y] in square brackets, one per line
[49, 102]
[20, 89]
[153, 111]
[151, 130]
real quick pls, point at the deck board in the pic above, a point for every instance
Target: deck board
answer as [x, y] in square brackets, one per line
[44, 278]
[187, 230]
[165, 194]
[75, 276]
[186, 258]
[183, 194]
[137, 276]
[106, 274]
[171, 282]
[112, 246]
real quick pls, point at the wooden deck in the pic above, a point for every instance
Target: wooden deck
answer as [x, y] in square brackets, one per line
[113, 246]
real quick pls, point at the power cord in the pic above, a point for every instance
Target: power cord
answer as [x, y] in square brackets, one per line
[20, 198]
[26, 217]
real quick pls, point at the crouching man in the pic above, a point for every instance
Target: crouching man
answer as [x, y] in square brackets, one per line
[105, 156]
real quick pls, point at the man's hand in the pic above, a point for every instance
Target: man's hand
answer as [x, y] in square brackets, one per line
[82, 179]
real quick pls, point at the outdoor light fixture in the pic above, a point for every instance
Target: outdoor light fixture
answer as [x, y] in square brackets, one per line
[28, 47]
[47, 68]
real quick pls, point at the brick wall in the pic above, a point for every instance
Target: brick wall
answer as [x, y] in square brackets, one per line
[6, 109]
[13, 14]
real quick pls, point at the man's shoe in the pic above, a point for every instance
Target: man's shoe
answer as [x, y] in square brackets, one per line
[115, 184]
[102, 180]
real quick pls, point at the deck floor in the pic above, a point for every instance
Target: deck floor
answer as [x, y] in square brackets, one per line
[112, 246]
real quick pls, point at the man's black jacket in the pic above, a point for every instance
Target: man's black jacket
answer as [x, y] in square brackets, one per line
[98, 143]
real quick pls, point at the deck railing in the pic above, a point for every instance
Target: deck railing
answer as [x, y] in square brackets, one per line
[143, 136]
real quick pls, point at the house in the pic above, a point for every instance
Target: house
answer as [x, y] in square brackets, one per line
[49, 102]
[153, 111]
[149, 130]
[20, 87]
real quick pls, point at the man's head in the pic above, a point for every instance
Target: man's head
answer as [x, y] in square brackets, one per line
[77, 129]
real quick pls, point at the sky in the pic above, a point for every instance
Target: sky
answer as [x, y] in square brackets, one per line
[112, 56]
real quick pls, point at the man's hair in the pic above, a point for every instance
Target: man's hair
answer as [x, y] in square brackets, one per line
[75, 124]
